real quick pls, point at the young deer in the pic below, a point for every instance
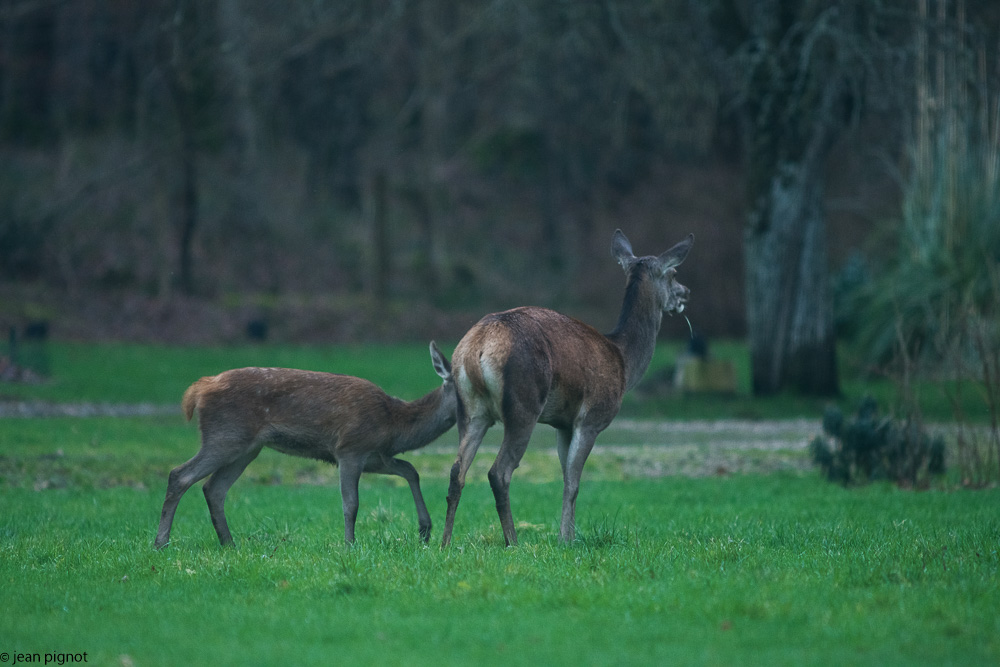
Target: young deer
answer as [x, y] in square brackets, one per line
[345, 420]
[531, 365]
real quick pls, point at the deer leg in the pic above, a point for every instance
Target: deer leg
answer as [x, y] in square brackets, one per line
[576, 455]
[405, 470]
[515, 442]
[180, 480]
[350, 474]
[217, 487]
[563, 438]
[471, 434]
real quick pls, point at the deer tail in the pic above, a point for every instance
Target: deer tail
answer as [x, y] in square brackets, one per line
[192, 397]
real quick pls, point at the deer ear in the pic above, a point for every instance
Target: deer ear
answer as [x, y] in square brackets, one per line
[676, 255]
[621, 250]
[441, 364]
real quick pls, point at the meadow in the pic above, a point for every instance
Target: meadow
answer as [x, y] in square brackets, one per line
[158, 374]
[699, 542]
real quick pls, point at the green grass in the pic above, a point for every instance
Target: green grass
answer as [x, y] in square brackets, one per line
[131, 373]
[775, 570]
[778, 568]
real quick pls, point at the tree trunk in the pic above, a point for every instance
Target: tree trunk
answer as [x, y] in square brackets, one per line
[426, 269]
[382, 260]
[789, 314]
[187, 211]
[236, 83]
[180, 71]
[793, 107]
[437, 71]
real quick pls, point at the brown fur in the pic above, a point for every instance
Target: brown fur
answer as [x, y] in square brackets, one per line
[545, 345]
[193, 394]
[530, 365]
[336, 418]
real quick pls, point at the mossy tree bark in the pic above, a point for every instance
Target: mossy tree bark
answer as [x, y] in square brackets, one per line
[792, 70]
[789, 313]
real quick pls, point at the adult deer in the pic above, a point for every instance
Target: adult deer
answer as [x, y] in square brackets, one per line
[341, 419]
[531, 365]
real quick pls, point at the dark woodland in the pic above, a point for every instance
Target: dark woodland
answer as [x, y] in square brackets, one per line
[196, 171]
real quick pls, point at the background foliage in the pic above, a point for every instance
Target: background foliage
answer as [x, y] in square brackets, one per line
[312, 162]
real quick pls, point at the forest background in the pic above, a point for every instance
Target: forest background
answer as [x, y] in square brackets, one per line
[196, 171]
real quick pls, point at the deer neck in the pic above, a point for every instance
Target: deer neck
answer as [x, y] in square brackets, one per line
[638, 325]
[423, 420]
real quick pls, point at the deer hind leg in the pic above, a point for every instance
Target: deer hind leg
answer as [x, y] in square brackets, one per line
[471, 432]
[217, 487]
[405, 470]
[572, 457]
[515, 442]
[564, 436]
[181, 478]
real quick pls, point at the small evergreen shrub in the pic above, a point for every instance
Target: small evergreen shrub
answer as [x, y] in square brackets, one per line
[870, 447]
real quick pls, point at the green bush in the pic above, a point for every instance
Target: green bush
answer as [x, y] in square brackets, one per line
[870, 447]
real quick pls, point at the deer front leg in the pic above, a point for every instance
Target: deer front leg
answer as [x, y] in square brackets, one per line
[471, 436]
[350, 473]
[575, 456]
[405, 470]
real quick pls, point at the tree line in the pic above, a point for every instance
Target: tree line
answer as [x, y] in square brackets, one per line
[459, 151]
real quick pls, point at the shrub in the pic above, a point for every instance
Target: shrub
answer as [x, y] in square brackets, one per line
[871, 447]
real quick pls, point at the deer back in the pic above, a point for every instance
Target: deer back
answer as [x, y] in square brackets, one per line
[304, 413]
[538, 360]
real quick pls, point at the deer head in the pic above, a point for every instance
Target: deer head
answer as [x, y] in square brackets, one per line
[672, 296]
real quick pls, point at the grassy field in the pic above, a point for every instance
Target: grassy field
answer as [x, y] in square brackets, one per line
[129, 373]
[699, 543]
[748, 569]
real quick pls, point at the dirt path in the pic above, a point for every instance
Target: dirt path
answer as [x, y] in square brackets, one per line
[15, 409]
[628, 448]
[656, 448]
